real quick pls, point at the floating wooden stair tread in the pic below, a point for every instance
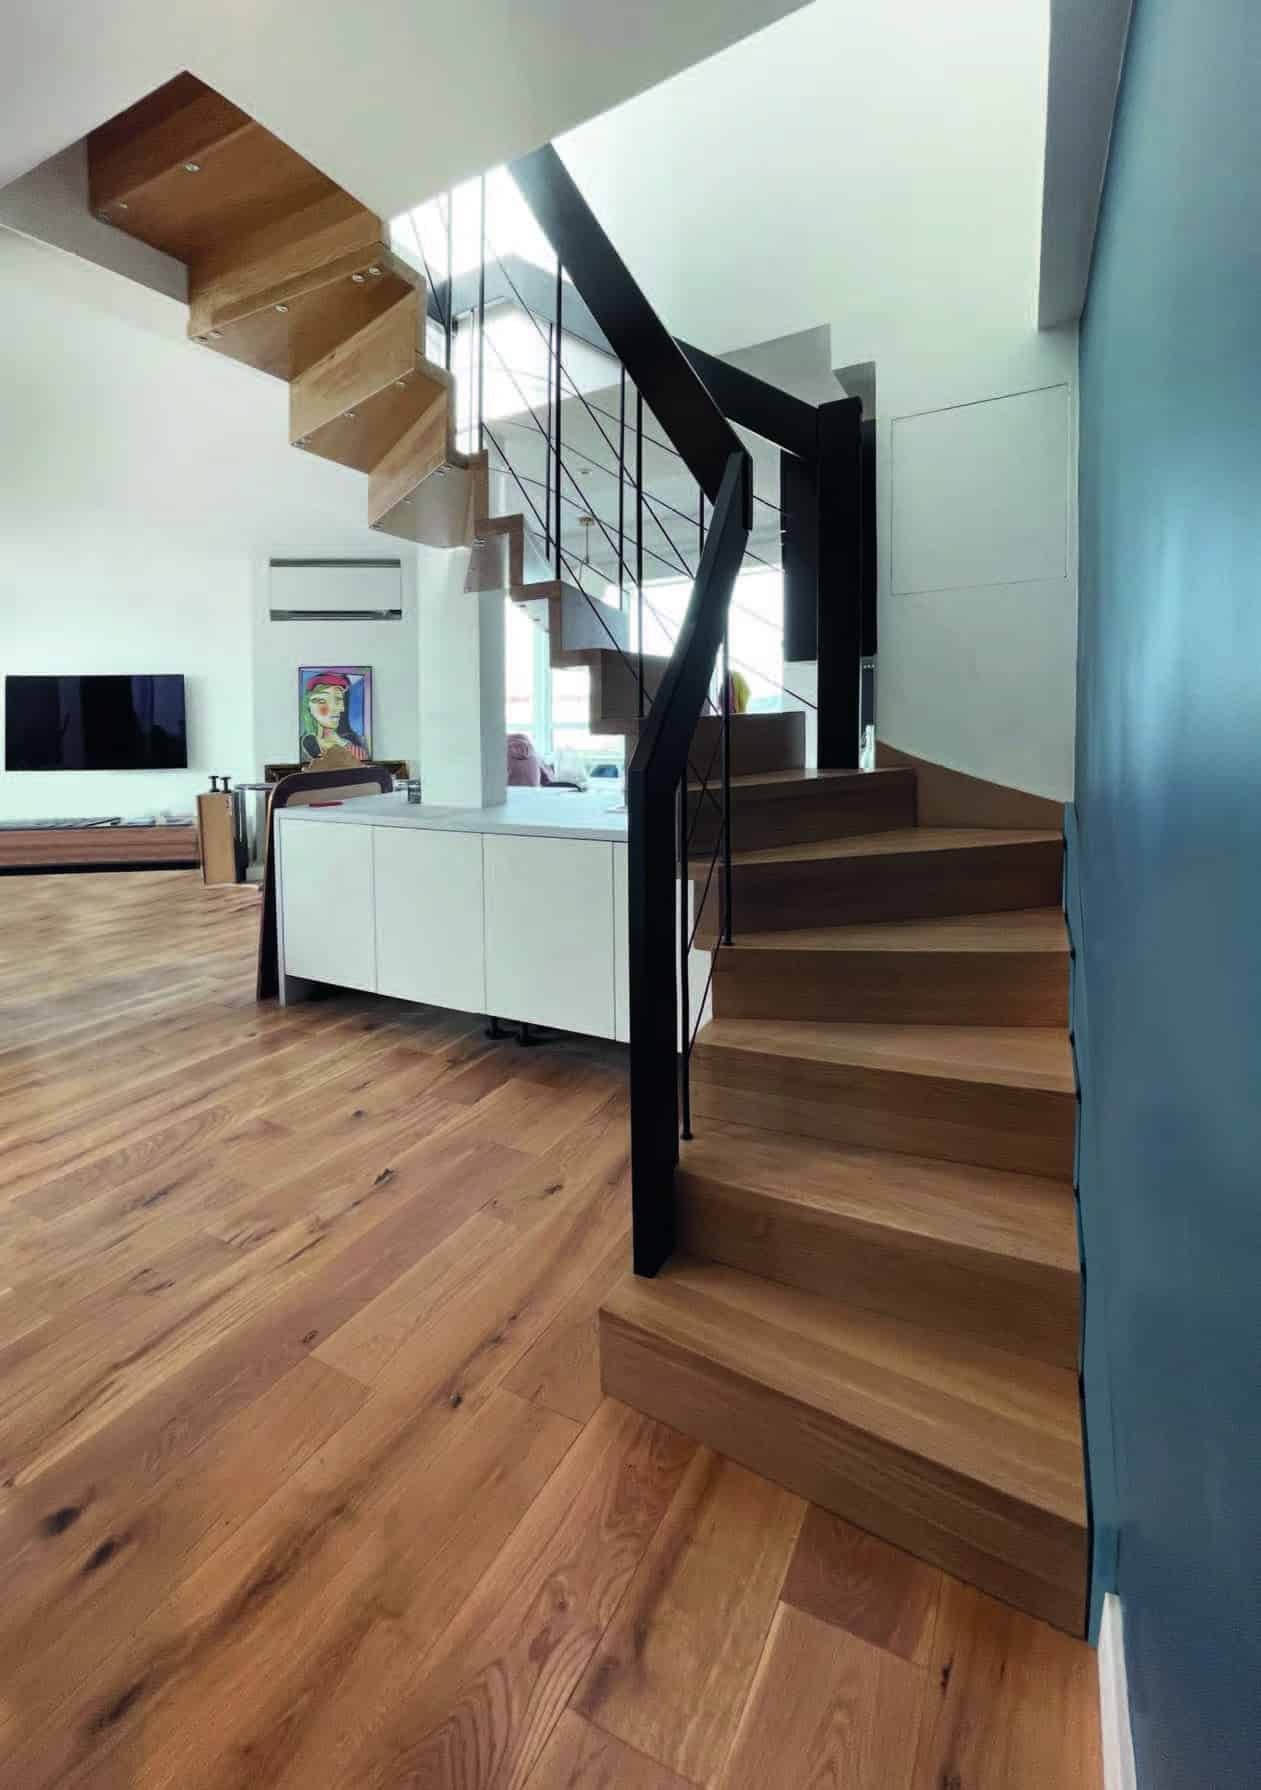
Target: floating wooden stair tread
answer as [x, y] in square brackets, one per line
[952, 1246]
[1014, 1218]
[968, 1455]
[1030, 929]
[1001, 1056]
[184, 170]
[786, 784]
[1002, 1096]
[289, 273]
[363, 436]
[892, 873]
[897, 842]
[1005, 969]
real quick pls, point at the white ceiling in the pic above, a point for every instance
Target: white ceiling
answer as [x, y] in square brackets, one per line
[392, 98]
[1088, 39]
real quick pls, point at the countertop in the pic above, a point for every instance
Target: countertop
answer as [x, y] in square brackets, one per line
[545, 813]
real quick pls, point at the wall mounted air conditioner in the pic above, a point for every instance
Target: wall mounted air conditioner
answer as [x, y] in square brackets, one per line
[335, 590]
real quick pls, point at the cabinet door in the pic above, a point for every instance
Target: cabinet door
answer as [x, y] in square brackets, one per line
[326, 902]
[621, 947]
[549, 932]
[429, 917]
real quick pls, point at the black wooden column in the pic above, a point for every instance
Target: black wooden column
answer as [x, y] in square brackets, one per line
[841, 596]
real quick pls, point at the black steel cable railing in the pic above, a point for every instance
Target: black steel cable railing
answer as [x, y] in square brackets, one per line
[679, 780]
[660, 891]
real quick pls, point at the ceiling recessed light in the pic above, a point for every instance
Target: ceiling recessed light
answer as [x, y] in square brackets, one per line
[283, 309]
[192, 167]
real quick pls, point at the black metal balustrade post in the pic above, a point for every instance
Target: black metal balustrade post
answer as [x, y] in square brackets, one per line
[639, 535]
[547, 444]
[560, 339]
[840, 583]
[685, 943]
[621, 494]
[726, 780]
[657, 777]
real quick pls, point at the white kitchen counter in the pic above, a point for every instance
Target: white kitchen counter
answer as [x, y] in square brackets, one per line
[518, 911]
[544, 813]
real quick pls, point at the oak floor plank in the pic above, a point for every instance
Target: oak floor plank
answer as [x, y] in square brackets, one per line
[581, 1757]
[430, 1554]
[562, 1370]
[482, 1704]
[82, 1578]
[1009, 1701]
[365, 1344]
[214, 1688]
[672, 1673]
[858, 1582]
[339, 1507]
[829, 1710]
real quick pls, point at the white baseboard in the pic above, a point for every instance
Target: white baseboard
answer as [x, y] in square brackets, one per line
[1114, 1701]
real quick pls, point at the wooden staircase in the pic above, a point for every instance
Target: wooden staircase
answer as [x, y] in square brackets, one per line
[875, 1294]
[875, 1298]
[290, 274]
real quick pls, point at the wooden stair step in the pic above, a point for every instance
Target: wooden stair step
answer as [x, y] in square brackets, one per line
[442, 509]
[1007, 969]
[760, 742]
[507, 557]
[1001, 1096]
[185, 171]
[578, 624]
[993, 1254]
[372, 427]
[968, 1456]
[903, 873]
[615, 690]
[280, 299]
[795, 806]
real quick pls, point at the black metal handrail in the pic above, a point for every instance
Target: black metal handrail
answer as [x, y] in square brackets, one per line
[656, 779]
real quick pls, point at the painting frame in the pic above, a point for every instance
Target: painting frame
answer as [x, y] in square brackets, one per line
[334, 709]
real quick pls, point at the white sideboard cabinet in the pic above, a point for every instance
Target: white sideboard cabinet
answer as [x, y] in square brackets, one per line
[328, 917]
[429, 918]
[549, 932]
[463, 909]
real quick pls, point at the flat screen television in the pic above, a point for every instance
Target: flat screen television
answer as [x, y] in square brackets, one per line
[94, 724]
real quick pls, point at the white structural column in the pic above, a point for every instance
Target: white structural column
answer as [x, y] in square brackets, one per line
[463, 737]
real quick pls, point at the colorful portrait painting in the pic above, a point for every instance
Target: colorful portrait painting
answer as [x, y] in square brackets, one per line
[334, 709]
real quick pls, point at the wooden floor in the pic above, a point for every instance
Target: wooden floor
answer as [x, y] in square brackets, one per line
[306, 1475]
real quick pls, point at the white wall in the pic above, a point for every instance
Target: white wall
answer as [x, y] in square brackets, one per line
[878, 169]
[390, 648]
[107, 607]
[142, 482]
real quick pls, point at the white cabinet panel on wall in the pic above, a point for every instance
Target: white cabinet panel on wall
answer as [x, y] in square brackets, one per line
[549, 918]
[429, 917]
[327, 903]
[981, 494]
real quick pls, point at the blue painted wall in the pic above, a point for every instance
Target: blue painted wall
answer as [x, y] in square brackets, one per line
[1168, 876]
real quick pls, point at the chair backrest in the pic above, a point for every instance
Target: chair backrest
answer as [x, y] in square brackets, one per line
[301, 789]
